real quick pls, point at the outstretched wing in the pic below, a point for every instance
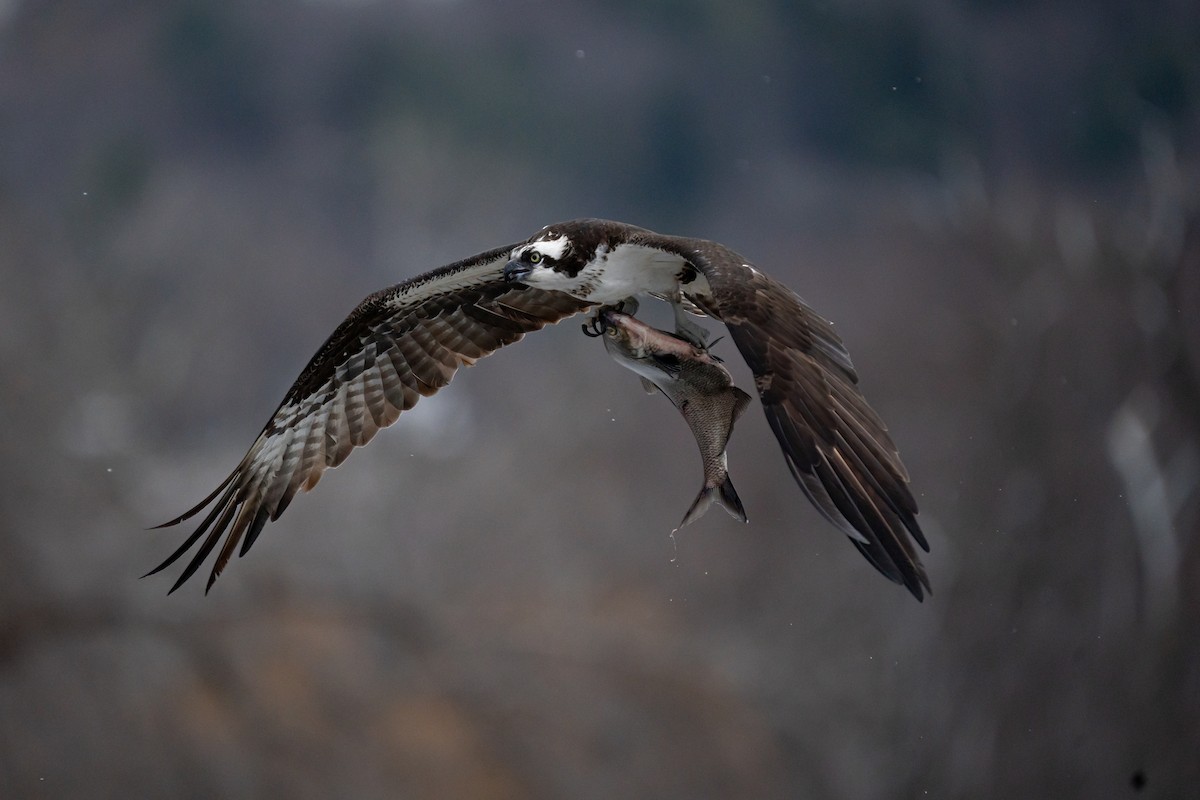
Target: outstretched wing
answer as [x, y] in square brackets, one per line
[398, 345]
[836, 446]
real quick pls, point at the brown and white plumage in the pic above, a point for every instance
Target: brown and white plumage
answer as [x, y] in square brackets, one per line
[836, 446]
[407, 342]
[398, 345]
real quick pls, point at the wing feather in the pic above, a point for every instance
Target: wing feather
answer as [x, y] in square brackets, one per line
[337, 430]
[311, 455]
[397, 346]
[835, 445]
[227, 511]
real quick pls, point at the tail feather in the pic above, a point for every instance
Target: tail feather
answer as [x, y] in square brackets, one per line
[723, 495]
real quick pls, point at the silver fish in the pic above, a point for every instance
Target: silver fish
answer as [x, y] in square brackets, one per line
[696, 383]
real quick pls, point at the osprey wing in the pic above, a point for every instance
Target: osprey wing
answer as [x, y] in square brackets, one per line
[835, 445]
[398, 345]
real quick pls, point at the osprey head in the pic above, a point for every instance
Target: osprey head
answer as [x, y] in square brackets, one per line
[595, 260]
[549, 259]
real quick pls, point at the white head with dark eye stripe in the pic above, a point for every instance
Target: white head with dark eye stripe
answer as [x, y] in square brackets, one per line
[595, 260]
[551, 246]
[549, 260]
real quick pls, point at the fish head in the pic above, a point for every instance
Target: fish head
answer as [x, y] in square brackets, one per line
[627, 337]
[623, 335]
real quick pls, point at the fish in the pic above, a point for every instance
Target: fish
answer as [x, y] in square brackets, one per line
[696, 383]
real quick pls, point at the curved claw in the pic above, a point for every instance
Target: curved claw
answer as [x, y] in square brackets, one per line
[627, 306]
[594, 327]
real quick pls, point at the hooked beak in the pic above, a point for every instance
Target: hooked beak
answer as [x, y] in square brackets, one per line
[516, 271]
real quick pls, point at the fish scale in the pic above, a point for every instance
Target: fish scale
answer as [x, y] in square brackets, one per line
[698, 385]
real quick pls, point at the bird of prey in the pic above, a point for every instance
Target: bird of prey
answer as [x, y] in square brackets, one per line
[407, 341]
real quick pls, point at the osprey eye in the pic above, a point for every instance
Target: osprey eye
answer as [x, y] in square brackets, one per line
[535, 257]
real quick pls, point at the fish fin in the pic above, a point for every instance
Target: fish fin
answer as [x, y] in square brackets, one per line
[724, 495]
[739, 405]
[727, 498]
[649, 386]
[699, 506]
[670, 363]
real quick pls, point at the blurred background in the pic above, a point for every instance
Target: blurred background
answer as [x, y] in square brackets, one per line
[995, 200]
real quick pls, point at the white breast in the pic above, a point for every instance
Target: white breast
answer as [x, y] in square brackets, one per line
[631, 269]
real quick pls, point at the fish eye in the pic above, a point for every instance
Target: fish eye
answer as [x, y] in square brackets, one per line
[535, 257]
[611, 332]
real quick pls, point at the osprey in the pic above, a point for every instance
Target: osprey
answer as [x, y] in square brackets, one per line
[407, 341]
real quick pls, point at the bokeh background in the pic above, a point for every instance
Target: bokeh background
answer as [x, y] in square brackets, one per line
[995, 200]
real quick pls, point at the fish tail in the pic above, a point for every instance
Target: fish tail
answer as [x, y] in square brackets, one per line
[727, 498]
[724, 495]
